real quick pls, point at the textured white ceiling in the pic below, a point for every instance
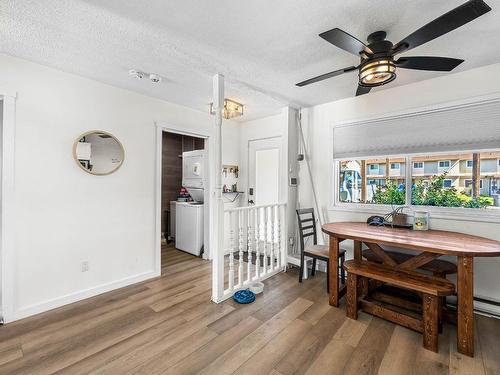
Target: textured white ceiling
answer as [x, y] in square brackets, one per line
[263, 47]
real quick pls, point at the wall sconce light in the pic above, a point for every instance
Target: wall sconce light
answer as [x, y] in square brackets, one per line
[231, 109]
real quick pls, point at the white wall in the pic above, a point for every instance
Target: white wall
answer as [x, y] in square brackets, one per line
[65, 216]
[319, 120]
[281, 125]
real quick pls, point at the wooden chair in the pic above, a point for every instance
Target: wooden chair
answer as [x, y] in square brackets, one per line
[307, 228]
[432, 289]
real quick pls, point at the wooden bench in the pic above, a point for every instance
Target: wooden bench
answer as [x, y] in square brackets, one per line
[437, 267]
[431, 288]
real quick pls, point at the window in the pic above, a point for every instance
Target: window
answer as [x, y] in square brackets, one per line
[469, 163]
[376, 182]
[439, 184]
[352, 188]
[468, 184]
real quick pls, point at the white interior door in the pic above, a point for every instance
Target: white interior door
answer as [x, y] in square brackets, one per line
[264, 171]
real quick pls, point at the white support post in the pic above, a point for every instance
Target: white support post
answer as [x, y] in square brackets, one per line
[218, 247]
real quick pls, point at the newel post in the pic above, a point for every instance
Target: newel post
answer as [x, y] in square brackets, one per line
[218, 249]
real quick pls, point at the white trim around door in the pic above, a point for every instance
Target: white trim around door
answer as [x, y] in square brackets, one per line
[7, 231]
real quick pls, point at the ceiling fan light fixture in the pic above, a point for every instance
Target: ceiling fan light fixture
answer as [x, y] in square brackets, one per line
[377, 72]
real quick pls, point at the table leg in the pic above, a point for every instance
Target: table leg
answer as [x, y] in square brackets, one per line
[357, 250]
[465, 305]
[334, 271]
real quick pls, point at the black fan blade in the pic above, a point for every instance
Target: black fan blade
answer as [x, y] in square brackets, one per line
[345, 41]
[326, 75]
[442, 64]
[455, 18]
[362, 90]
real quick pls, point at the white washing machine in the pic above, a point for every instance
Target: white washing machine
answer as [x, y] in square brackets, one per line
[189, 227]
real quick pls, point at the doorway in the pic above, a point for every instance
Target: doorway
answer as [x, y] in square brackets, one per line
[264, 171]
[183, 197]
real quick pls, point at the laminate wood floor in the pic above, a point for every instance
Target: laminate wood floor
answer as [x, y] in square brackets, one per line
[169, 326]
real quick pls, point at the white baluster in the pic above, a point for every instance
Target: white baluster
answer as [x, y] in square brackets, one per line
[264, 232]
[231, 253]
[249, 245]
[271, 230]
[240, 241]
[257, 241]
[277, 216]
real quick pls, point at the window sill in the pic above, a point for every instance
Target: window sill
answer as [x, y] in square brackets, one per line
[445, 213]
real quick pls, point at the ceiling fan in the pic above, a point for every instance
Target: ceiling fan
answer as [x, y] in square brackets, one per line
[378, 65]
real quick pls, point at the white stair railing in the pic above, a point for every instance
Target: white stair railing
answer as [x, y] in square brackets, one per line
[260, 247]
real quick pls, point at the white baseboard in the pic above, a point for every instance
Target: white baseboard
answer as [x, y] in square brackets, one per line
[487, 309]
[41, 307]
[293, 260]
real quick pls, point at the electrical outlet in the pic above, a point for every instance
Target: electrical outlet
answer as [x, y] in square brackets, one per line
[85, 266]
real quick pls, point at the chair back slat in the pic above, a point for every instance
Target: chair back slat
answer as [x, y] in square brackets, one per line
[306, 215]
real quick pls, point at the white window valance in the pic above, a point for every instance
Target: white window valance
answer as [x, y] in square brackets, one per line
[468, 127]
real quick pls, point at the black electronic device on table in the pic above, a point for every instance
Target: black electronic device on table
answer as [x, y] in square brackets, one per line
[376, 220]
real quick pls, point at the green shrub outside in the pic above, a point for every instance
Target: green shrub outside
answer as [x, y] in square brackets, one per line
[432, 193]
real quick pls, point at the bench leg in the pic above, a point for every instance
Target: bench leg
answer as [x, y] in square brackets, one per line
[352, 296]
[441, 304]
[430, 306]
[442, 301]
[363, 287]
[328, 277]
[342, 270]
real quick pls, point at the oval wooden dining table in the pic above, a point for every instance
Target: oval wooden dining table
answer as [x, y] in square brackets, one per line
[429, 245]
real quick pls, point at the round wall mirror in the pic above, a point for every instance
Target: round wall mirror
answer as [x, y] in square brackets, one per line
[98, 152]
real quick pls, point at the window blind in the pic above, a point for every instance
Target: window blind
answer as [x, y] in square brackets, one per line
[471, 127]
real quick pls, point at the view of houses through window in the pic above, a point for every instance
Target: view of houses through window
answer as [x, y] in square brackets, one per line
[469, 180]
